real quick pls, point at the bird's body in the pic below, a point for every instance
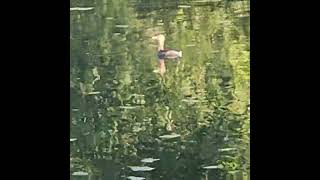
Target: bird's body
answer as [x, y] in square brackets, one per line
[165, 53]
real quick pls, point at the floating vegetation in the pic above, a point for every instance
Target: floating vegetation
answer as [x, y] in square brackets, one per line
[227, 149]
[94, 92]
[135, 178]
[81, 8]
[184, 6]
[169, 136]
[129, 107]
[73, 139]
[213, 167]
[80, 173]
[141, 168]
[149, 160]
[122, 26]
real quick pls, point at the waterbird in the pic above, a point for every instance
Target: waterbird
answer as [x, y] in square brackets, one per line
[164, 54]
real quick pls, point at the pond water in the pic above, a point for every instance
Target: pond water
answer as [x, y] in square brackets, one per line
[129, 122]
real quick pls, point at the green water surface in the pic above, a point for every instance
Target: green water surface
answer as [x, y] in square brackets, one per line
[122, 112]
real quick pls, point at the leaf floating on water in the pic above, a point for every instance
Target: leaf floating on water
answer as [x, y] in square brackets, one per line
[213, 167]
[169, 136]
[128, 107]
[227, 149]
[149, 160]
[135, 178]
[80, 173]
[73, 139]
[81, 8]
[184, 6]
[92, 93]
[141, 168]
[122, 26]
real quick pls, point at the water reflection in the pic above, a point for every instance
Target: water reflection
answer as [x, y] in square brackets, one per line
[122, 113]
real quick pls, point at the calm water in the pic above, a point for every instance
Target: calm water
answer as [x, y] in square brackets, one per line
[122, 112]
